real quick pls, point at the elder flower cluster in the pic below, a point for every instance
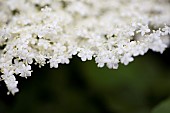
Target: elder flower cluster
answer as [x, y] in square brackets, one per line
[52, 31]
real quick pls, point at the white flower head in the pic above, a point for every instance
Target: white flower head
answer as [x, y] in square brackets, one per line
[52, 31]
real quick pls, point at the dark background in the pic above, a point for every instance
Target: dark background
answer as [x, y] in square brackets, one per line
[81, 87]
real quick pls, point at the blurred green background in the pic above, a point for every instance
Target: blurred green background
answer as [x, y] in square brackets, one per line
[81, 87]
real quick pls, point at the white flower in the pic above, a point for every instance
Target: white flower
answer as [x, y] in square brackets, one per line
[10, 81]
[166, 30]
[85, 54]
[143, 29]
[126, 58]
[48, 31]
[22, 69]
[54, 62]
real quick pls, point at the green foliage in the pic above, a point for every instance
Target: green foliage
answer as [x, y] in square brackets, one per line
[163, 107]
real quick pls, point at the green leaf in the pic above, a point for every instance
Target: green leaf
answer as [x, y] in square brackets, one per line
[163, 107]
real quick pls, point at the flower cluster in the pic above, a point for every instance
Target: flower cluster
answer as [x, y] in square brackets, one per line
[52, 31]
